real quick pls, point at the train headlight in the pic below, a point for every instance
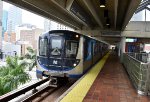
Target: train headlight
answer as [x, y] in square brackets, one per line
[77, 36]
[74, 64]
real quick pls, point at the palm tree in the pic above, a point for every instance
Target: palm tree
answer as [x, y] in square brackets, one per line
[12, 75]
[30, 58]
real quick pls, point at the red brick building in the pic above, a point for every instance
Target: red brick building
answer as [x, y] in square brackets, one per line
[6, 37]
[13, 38]
[31, 36]
[10, 37]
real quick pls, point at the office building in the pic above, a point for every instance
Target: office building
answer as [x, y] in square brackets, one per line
[51, 25]
[14, 18]
[1, 9]
[4, 22]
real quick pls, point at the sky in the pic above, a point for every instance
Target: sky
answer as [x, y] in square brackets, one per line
[28, 17]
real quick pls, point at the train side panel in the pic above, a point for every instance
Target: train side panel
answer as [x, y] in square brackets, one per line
[78, 70]
[93, 51]
[96, 51]
[87, 51]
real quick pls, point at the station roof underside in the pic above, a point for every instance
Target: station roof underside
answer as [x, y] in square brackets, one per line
[87, 16]
[83, 14]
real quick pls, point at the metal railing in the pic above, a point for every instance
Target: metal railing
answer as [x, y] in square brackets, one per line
[138, 68]
[143, 57]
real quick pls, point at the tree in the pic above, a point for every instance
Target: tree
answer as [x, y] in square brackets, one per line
[12, 75]
[30, 58]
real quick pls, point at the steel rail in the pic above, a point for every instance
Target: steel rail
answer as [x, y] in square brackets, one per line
[41, 94]
[11, 95]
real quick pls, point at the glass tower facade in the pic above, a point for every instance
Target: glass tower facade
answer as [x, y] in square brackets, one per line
[14, 18]
[4, 22]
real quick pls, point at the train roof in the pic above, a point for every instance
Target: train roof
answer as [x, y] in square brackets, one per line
[67, 31]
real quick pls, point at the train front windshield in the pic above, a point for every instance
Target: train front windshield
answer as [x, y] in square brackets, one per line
[43, 47]
[56, 47]
[71, 49]
[58, 51]
[62, 46]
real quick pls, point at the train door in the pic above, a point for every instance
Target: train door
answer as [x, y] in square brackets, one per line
[56, 53]
[92, 52]
[43, 54]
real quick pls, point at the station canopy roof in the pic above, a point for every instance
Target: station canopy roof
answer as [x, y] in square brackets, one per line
[83, 14]
[144, 5]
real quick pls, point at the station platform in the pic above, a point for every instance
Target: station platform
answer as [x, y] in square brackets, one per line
[111, 84]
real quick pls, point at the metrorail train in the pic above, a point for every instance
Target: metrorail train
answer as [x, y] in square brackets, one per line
[63, 53]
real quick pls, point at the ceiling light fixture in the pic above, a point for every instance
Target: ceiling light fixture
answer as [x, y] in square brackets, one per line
[102, 3]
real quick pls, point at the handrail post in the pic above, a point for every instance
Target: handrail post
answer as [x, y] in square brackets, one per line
[148, 79]
[139, 71]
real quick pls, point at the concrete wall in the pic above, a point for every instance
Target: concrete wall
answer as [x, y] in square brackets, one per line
[90, 32]
[133, 29]
[137, 29]
[96, 34]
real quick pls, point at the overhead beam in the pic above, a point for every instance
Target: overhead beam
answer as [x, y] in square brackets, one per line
[65, 9]
[141, 9]
[130, 11]
[148, 8]
[142, 6]
[69, 22]
[91, 8]
[54, 11]
[69, 3]
[111, 40]
[116, 10]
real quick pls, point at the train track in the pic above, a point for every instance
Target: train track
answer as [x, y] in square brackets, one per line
[42, 94]
[38, 92]
[49, 93]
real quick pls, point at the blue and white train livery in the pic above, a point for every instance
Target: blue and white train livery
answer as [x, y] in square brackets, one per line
[63, 53]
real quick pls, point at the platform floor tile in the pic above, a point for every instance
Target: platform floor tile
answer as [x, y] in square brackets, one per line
[113, 85]
[78, 93]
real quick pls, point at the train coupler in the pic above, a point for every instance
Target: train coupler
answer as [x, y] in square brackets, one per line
[53, 81]
[58, 81]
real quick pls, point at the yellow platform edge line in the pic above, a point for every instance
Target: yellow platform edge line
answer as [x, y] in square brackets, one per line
[78, 93]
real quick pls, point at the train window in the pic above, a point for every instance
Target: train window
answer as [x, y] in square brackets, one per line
[56, 43]
[85, 49]
[43, 47]
[56, 47]
[95, 48]
[71, 48]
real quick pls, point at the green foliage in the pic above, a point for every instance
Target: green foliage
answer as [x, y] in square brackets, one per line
[30, 58]
[12, 75]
